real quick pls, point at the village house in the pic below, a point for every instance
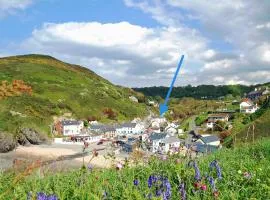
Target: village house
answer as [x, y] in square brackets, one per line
[69, 127]
[172, 129]
[108, 131]
[209, 140]
[163, 142]
[130, 128]
[247, 106]
[213, 118]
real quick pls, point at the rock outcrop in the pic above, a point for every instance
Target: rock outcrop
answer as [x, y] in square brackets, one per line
[7, 143]
[28, 135]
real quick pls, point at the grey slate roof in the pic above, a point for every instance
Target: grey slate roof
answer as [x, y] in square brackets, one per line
[157, 136]
[128, 125]
[170, 139]
[102, 127]
[210, 138]
[202, 148]
[70, 122]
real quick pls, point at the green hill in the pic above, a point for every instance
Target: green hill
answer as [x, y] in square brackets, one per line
[52, 88]
[201, 91]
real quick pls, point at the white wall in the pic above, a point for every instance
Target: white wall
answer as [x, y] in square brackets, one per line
[72, 129]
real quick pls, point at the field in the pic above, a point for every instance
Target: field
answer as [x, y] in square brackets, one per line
[240, 173]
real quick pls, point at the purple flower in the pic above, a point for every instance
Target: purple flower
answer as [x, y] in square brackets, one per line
[196, 169]
[41, 196]
[212, 183]
[136, 182]
[183, 191]
[90, 167]
[52, 197]
[158, 192]
[214, 164]
[151, 180]
[167, 187]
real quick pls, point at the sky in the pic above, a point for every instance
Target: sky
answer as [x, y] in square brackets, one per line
[138, 43]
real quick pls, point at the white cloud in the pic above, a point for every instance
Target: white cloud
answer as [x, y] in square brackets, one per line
[11, 6]
[242, 25]
[128, 52]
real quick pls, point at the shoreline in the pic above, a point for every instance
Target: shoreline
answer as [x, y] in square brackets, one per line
[71, 155]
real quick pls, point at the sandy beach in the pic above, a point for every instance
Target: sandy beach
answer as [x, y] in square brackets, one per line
[54, 151]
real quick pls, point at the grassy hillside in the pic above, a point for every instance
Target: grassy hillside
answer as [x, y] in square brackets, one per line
[244, 174]
[58, 88]
[201, 91]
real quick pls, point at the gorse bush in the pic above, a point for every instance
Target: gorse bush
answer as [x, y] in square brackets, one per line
[241, 173]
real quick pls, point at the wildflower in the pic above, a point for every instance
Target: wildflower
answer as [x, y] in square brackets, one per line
[119, 166]
[52, 197]
[158, 192]
[214, 164]
[41, 196]
[90, 167]
[136, 182]
[197, 185]
[150, 181]
[247, 175]
[215, 193]
[203, 187]
[212, 183]
[197, 171]
[183, 191]
[167, 194]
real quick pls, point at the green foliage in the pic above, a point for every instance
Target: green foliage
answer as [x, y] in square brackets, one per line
[236, 164]
[201, 119]
[59, 88]
[201, 91]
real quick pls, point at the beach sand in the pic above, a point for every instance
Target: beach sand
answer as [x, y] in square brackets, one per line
[54, 151]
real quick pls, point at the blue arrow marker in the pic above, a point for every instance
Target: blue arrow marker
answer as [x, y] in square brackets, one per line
[164, 107]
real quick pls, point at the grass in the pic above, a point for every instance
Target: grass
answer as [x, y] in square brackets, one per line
[58, 88]
[245, 175]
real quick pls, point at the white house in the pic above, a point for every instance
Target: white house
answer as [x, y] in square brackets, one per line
[213, 118]
[157, 122]
[130, 128]
[209, 140]
[247, 106]
[155, 139]
[169, 143]
[71, 127]
[172, 129]
[163, 143]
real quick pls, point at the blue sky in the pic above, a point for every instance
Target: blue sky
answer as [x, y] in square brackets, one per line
[139, 42]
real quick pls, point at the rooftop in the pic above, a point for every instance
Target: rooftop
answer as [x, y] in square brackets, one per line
[71, 122]
[170, 139]
[157, 136]
[210, 138]
[129, 125]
